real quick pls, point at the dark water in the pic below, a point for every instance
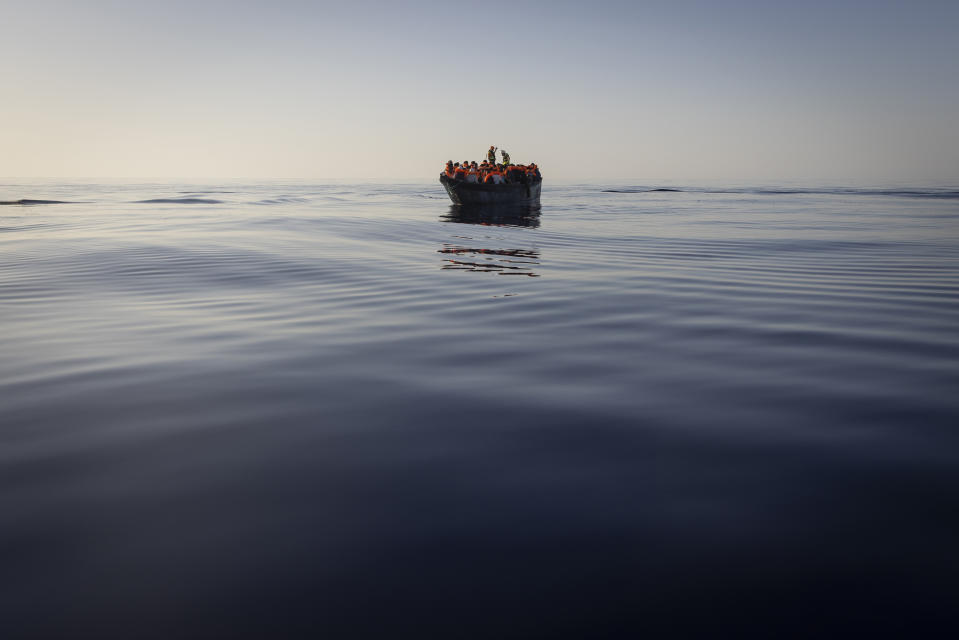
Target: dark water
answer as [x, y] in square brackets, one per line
[288, 409]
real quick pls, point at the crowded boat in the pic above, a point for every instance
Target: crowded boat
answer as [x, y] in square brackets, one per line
[489, 171]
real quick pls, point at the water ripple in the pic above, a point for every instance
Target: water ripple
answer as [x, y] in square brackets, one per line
[180, 201]
[706, 397]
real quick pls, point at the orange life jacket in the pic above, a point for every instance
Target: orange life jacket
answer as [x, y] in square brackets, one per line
[489, 176]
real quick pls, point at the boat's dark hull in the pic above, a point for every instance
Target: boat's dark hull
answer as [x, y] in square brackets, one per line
[472, 193]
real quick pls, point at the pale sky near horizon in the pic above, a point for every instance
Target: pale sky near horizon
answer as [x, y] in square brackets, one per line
[739, 91]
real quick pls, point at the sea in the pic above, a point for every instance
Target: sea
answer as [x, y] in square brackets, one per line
[289, 409]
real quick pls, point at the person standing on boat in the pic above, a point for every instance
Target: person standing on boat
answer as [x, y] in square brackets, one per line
[505, 157]
[491, 154]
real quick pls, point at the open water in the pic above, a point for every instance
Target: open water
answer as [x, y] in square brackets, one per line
[290, 409]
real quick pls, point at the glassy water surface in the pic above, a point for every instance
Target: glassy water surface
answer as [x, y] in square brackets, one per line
[253, 409]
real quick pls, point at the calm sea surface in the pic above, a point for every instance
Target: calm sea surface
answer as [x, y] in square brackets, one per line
[268, 409]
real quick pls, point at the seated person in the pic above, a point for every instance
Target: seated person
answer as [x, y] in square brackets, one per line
[515, 174]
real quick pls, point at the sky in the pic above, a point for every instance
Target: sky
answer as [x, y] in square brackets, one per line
[840, 92]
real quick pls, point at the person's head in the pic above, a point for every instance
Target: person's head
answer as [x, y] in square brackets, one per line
[456, 164]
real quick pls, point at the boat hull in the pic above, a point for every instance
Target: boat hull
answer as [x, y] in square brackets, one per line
[472, 193]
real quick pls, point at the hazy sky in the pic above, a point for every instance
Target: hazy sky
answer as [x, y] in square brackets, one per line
[747, 91]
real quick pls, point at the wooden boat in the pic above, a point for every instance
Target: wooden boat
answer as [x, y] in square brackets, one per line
[508, 194]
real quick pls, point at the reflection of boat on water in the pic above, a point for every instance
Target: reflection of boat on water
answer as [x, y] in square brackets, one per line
[507, 262]
[510, 193]
[506, 216]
